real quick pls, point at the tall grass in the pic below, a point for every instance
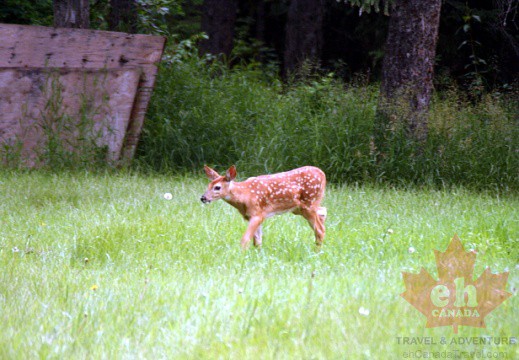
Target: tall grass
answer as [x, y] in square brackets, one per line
[205, 113]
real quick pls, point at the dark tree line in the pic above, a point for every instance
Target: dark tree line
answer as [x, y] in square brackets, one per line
[310, 31]
[410, 50]
[302, 33]
[478, 39]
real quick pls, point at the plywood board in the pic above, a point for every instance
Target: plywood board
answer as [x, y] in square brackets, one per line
[78, 107]
[36, 48]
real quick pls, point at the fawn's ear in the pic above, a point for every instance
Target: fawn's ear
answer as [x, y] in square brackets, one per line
[230, 175]
[210, 173]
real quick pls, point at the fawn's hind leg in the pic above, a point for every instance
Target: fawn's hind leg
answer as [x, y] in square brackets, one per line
[316, 223]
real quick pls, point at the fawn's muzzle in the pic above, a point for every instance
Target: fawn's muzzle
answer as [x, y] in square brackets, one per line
[204, 199]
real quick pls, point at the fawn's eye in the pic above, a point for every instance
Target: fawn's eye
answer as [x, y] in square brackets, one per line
[217, 187]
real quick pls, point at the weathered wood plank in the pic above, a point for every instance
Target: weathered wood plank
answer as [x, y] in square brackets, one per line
[38, 46]
[43, 47]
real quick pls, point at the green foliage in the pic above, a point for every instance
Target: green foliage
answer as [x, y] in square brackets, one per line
[26, 12]
[153, 15]
[205, 113]
[179, 51]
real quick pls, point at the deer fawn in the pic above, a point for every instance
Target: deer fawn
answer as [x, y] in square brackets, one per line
[299, 191]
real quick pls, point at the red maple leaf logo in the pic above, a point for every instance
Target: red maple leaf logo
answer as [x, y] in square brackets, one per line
[455, 299]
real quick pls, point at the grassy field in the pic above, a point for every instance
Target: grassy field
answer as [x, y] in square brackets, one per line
[102, 266]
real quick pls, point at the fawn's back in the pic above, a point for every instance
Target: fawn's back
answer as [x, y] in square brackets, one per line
[287, 191]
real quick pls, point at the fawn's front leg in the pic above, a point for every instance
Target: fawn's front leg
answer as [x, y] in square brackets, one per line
[257, 235]
[254, 224]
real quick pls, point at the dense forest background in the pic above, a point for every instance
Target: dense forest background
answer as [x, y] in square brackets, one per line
[385, 91]
[478, 43]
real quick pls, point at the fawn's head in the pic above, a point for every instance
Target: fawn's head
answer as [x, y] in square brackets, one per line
[218, 188]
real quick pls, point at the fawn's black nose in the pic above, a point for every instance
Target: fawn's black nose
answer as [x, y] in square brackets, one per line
[204, 199]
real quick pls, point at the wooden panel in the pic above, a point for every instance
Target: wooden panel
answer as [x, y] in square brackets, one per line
[38, 105]
[41, 47]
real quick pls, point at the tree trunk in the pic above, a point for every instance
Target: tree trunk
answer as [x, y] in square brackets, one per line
[123, 16]
[218, 20]
[408, 67]
[304, 35]
[72, 13]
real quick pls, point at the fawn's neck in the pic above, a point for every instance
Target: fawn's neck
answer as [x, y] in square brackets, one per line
[239, 196]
